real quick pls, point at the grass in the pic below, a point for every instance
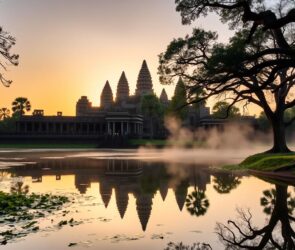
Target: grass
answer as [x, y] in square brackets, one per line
[47, 145]
[266, 162]
[147, 142]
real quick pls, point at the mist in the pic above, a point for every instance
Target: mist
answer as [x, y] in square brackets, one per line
[215, 146]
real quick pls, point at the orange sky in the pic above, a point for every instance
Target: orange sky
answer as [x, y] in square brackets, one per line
[69, 48]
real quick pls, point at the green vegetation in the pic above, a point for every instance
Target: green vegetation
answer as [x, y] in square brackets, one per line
[256, 65]
[147, 142]
[152, 108]
[48, 145]
[266, 162]
[177, 107]
[19, 213]
[223, 109]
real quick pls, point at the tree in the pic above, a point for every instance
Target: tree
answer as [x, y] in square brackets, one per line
[6, 43]
[4, 113]
[256, 66]
[152, 109]
[196, 202]
[20, 105]
[242, 234]
[177, 106]
[220, 110]
[19, 188]
[225, 182]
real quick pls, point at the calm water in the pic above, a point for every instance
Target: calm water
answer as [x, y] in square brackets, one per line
[123, 201]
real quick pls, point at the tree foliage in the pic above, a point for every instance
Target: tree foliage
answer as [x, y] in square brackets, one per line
[20, 105]
[7, 58]
[177, 107]
[152, 109]
[221, 110]
[4, 113]
[256, 66]
[278, 233]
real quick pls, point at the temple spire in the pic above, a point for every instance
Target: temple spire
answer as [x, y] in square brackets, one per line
[122, 88]
[106, 98]
[144, 84]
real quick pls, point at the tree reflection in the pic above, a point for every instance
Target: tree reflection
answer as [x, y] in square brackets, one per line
[196, 202]
[19, 188]
[225, 182]
[276, 234]
[181, 246]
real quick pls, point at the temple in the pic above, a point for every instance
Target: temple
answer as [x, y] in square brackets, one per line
[117, 116]
[121, 179]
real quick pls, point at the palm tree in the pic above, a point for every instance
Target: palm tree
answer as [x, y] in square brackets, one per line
[19, 188]
[4, 113]
[20, 105]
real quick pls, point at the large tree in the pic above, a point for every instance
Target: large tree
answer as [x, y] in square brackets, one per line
[152, 110]
[278, 233]
[7, 58]
[256, 66]
[178, 101]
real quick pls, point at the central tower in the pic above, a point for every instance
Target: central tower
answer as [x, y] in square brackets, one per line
[144, 84]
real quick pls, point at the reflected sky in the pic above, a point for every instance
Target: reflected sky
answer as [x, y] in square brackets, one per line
[132, 204]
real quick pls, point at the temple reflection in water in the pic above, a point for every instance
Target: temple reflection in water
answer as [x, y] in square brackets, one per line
[123, 177]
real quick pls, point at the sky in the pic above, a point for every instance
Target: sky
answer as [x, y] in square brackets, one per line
[70, 48]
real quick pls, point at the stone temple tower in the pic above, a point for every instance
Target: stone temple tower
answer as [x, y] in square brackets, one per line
[122, 88]
[106, 98]
[83, 105]
[144, 84]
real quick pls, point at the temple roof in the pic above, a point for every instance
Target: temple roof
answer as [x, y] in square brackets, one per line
[144, 81]
[122, 88]
[144, 207]
[164, 97]
[180, 195]
[106, 193]
[122, 201]
[106, 98]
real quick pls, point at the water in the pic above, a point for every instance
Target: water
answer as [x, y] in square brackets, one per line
[122, 200]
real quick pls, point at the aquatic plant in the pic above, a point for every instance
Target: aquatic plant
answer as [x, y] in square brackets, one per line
[19, 212]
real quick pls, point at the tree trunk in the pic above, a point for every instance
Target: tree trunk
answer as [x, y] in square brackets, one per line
[279, 135]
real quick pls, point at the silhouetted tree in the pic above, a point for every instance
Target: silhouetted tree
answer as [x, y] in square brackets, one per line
[20, 105]
[4, 113]
[182, 246]
[19, 188]
[196, 202]
[7, 58]
[257, 65]
[220, 110]
[243, 234]
[225, 182]
[268, 201]
[177, 106]
[152, 109]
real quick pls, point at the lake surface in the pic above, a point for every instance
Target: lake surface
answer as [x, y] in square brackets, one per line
[126, 200]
